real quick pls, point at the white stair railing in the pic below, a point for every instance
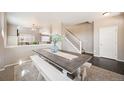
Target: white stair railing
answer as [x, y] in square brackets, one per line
[73, 39]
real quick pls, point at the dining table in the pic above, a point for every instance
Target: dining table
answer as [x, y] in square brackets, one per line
[69, 62]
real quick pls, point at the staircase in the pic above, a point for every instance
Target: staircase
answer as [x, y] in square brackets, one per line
[73, 40]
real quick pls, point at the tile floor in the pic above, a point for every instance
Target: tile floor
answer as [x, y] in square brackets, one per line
[27, 72]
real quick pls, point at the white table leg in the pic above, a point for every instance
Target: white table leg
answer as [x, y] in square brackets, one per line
[64, 72]
[38, 76]
[79, 73]
[84, 74]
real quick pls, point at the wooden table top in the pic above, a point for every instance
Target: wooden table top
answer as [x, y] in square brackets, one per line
[69, 65]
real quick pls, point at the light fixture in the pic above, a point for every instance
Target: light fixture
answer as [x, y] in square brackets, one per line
[106, 14]
[33, 27]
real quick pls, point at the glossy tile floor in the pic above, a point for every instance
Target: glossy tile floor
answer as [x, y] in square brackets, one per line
[7, 74]
[28, 72]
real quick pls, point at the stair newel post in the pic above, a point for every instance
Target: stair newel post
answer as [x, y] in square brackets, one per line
[80, 47]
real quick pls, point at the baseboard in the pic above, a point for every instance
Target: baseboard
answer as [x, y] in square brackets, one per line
[2, 69]
[11, 65]
[89, 53]
[113, 59]
[120, 60]
[96, 55]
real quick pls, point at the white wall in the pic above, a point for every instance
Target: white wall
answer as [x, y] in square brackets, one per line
[109, 21]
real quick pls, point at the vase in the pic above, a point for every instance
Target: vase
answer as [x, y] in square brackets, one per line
[54, 48]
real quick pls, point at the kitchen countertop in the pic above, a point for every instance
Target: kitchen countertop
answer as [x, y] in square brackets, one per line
[17, 46]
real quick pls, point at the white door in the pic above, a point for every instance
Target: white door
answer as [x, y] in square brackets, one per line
[108, 42]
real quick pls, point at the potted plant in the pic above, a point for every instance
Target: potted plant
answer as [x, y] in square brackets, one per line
[34, 42]
[55, 39]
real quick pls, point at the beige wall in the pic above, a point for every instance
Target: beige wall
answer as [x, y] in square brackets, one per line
[109, 21]
[11, 30]
[68, 47]
[14, 54]
[2, 51]
[57, 29]
[85, 33]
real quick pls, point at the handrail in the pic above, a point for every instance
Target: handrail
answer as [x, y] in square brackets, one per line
[71, 33]
[76, 38]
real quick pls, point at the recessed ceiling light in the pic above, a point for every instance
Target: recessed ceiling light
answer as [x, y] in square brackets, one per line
[106, 14]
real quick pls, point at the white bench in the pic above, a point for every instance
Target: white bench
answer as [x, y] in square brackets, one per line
[48, 71]
[84, 68]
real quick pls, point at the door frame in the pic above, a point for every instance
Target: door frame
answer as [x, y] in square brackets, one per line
[116, 40]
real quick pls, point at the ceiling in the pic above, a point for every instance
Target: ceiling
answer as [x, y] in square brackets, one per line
[46, 18]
